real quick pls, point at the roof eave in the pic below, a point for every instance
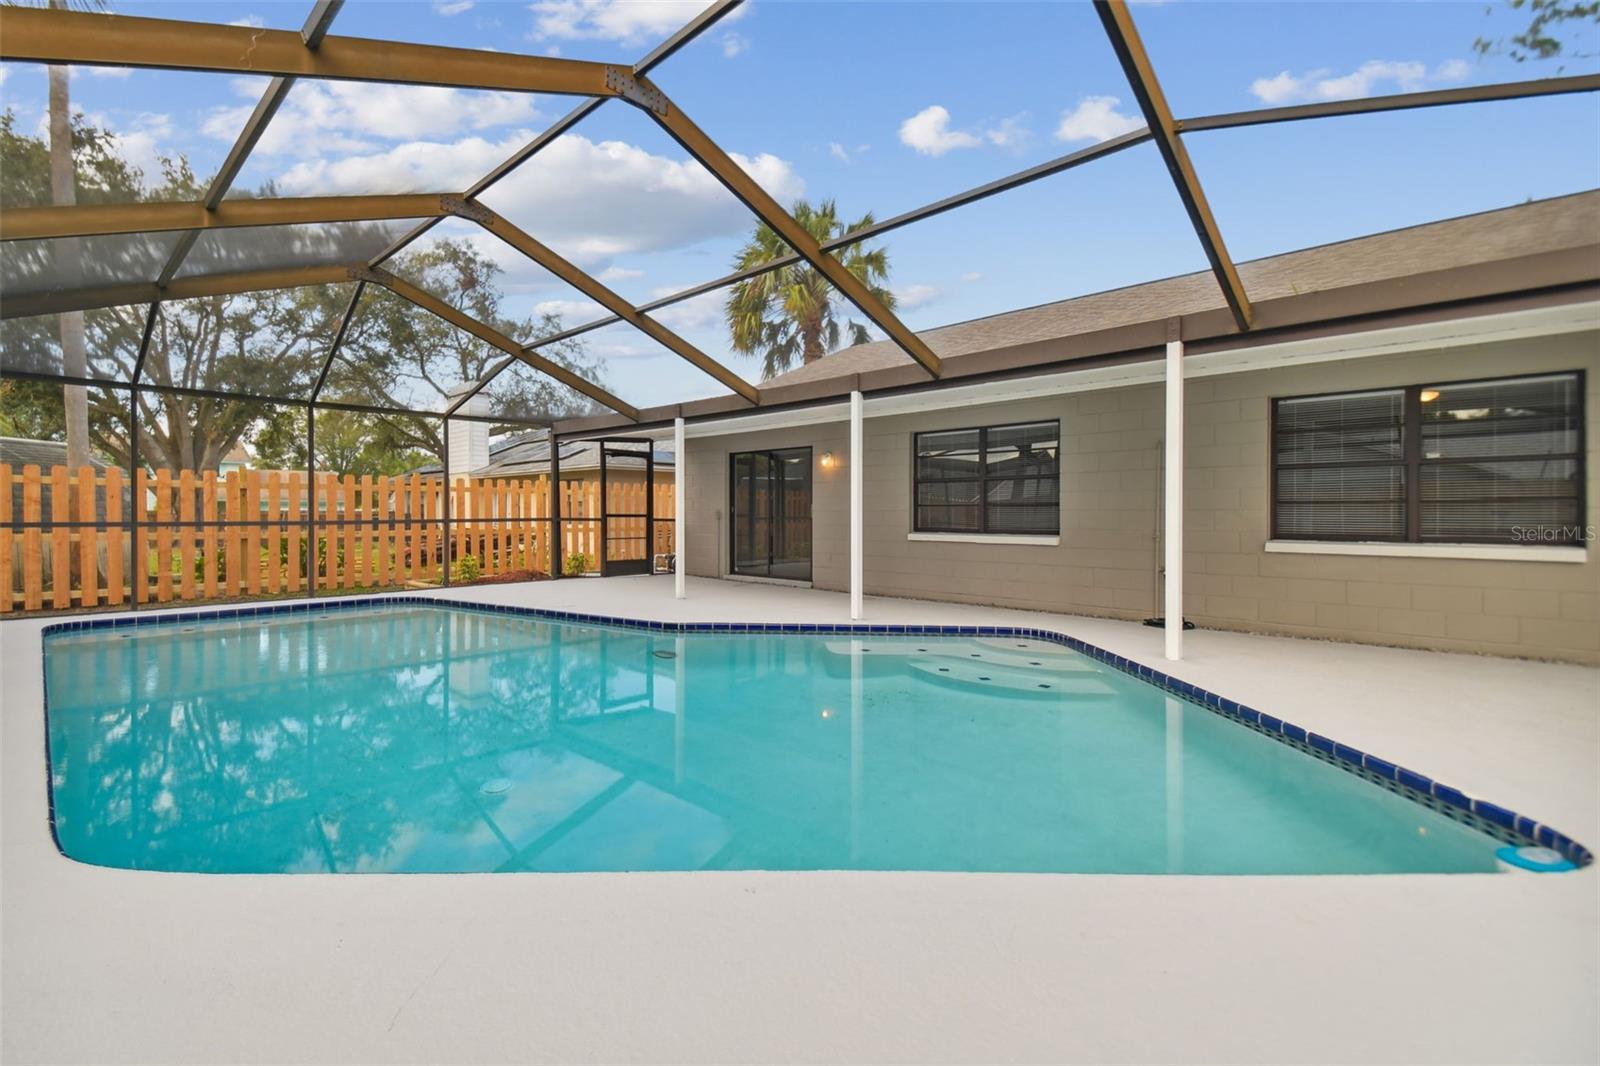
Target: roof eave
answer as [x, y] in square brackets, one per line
[1329, 311]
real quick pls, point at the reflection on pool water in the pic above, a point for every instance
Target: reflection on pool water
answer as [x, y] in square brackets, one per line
[432, 738]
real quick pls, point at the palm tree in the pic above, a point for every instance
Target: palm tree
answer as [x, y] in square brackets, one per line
[793, 311]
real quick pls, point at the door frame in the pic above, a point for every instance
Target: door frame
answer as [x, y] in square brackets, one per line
[620, 567]
[733, 529]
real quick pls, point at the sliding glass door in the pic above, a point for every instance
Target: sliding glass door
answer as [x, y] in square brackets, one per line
[769, 497]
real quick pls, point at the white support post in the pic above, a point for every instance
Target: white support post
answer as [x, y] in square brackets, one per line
[1172, 538]
[857, 518]
[680, 493]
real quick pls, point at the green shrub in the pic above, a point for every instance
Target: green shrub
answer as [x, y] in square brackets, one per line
[577, 564]
[467, 569]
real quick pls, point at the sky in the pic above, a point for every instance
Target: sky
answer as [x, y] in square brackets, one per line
[884, 107]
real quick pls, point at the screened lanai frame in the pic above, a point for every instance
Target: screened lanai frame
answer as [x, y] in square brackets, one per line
[50, 36]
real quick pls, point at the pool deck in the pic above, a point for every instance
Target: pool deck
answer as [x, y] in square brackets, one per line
[118, 966]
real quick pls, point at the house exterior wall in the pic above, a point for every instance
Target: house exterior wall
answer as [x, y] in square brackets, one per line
[1106, 562]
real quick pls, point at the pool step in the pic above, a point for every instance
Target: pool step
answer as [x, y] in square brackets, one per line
[1034, 655]
[981, 677]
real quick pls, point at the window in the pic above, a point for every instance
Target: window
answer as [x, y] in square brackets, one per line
[1475, 461]
[1000, 479]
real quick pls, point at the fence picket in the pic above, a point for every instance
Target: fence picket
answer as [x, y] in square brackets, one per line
[294, 519]
[88, 541]
[251, 559]
[186, 534]
[7, 600]
[114, 537]
[139, 571]
[347, 517]
[208, 538]
[274, 531]
[60, 539]
[233, 536]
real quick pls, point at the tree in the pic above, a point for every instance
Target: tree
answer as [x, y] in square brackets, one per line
[793, 311]
[348, 442]
[31, 409]
[1538, 41]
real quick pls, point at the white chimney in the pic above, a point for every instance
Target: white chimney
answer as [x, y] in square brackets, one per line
[468, 441]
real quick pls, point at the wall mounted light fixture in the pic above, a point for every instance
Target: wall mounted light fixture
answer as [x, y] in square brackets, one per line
[827, 460]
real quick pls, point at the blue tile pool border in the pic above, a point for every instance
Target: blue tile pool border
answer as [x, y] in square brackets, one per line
[1493, 820]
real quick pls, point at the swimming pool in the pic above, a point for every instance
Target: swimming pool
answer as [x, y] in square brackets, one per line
[410, 735]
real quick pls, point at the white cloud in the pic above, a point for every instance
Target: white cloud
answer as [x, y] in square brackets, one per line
[839, 152]
[1373, 76]
[631, 22]
[696, 313]
[929, 132]
[573, 311]
[1096, 118]
[255, 22]
[1010, 133]
[971, 276]
[451, 7]
[116, 73]
[616, 273]
[590, 201]
[320, 118]
[734, 44]
[915, 295]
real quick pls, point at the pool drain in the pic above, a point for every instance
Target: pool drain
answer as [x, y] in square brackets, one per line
[664, 654]
[495, 786]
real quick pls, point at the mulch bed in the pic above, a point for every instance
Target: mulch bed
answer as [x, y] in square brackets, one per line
[506, 578]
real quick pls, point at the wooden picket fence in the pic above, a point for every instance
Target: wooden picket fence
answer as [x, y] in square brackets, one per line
[89, 538]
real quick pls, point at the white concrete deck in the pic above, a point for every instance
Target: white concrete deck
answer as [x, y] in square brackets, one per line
[113, 966]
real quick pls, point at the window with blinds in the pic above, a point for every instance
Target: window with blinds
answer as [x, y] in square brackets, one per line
[997, 479]
[1476, 461]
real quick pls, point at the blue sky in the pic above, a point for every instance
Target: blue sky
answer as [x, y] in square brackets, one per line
[886, 106]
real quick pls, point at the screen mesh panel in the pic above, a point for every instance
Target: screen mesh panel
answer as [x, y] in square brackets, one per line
[228, 251]
[111, 335]
[81, 262]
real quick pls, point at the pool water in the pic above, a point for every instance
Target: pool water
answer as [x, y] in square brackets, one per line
[431, 738]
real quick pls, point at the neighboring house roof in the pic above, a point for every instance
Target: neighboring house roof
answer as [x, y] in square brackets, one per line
[238, 454]
[529, 454]
[22, 451]
[1564, 223]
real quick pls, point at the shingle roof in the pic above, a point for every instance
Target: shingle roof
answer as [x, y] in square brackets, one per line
[1541, 226]
[19, 452]
[23, 451]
